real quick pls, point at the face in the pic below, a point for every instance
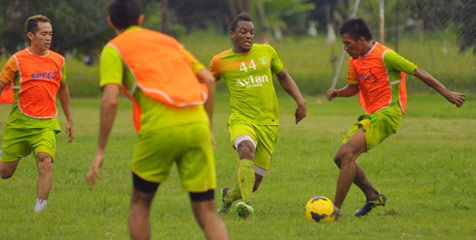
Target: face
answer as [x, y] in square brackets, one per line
[243, 36]
[41, 39]
[352, 47]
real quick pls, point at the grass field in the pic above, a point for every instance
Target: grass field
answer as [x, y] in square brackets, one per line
[427, 170]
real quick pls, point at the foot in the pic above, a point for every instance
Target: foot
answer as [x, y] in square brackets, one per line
[245, 211]
[336, 213]
[370, 204]
[225, 206]
[40, 204]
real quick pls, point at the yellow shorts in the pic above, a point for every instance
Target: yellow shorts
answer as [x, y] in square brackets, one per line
[18, 143]
[264, 136]
[189, 146]
[378, 125]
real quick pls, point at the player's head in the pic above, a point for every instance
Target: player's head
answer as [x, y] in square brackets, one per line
[124, 14]
[242, 33]
[355, 36]
[39, 31]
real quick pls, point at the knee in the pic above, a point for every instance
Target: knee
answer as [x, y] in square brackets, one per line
[45, 162]
[343, 157]
[246, 150]
[5, 174]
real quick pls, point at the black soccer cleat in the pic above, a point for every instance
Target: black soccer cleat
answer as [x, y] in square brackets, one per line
[370, 204]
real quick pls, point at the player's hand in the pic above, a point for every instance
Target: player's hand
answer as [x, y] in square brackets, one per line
[93, 174]
[69, 131]
[331, 94]
[456, 98]
[300, 112]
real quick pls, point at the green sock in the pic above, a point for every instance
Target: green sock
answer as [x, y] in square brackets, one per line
[233, 194]
[246, 179]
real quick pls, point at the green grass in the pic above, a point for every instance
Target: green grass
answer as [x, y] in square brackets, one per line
[426, 170]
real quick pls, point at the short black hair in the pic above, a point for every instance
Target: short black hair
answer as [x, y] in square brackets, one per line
[356, 28]
[125, 13]
[243, 16]
[31, 24]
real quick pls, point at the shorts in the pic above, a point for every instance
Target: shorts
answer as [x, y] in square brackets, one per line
[18, 143]
[378, 125]
[189, 146]
[264, 136]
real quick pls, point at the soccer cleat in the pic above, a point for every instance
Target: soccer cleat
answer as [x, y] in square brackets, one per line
[336, 213]
[370, 204]
[225, 206]
[245, 211]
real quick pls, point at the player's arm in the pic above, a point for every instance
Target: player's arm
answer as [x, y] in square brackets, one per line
[350, 89]
[453, 97]
[7, 75]
[109, 103]
[111, 73]
[204, 76]
[292, 89]
[65, 100]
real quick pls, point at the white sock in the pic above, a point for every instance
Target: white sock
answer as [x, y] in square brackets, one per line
[40, 204]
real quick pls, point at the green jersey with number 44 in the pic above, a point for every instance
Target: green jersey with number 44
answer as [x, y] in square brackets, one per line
[249, 78]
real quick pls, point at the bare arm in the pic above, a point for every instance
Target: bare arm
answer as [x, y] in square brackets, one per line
[453, 97]
[110, 100]
[2, 86]
[204, 76]
[292, 89]
[207, 78]
[348, 91]
[63, 95]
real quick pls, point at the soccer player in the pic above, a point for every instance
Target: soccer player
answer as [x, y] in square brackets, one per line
[377, 73]
[168, 88]
[248, 71]
[38, 75]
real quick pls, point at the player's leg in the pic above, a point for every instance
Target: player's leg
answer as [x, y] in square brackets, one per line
[143, 193]
[203, 206]
[345, 158]
[45, 180]
[16, 145]
[44, 148]
[196, 169]
[7, 169]
[246, 176]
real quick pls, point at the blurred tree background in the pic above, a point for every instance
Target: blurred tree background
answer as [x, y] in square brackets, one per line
[80, 25]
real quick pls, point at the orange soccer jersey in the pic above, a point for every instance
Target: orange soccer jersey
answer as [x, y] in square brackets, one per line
[380, 75]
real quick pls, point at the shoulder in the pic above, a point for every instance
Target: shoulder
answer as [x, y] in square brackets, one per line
[218, 57]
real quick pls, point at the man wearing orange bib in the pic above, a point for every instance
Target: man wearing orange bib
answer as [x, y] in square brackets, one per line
[377, 73]
[38, 75]
[169, 89]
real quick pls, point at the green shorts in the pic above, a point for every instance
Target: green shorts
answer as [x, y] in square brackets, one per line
[18, 143]
[378, 125]
[189, 146]
[264, 137]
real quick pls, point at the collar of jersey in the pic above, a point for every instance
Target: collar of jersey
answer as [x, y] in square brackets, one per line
[131, 28]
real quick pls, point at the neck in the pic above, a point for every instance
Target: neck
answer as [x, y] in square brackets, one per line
[368, 47]
[38, 51]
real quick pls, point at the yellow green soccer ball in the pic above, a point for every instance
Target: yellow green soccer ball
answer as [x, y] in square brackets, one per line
[320, 209]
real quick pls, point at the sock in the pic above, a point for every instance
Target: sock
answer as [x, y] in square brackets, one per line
[40, 204]
[246, 179]
[233, 194]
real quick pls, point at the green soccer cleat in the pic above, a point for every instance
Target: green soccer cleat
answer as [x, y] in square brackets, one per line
[245, 211]
[225, 206]
[370, 204]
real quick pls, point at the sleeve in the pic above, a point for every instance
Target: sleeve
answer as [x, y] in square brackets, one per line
[352, 74]
[214, 66]
[9, 71]
[110, 67]
[276, 63]
[197, 66]
[396, 62]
